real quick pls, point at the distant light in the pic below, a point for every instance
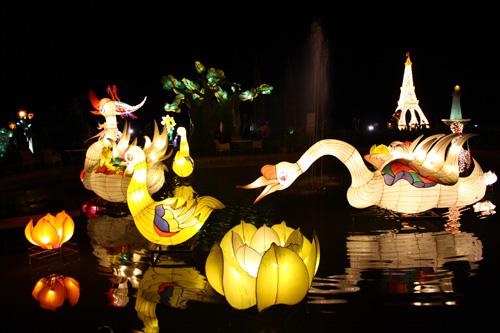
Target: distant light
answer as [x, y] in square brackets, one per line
[22, 114]
[370, 128]
[131, 131]
[476, 125]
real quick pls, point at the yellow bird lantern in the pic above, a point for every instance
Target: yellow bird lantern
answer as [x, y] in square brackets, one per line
[263, 267]
[53, 290]
[50, 232]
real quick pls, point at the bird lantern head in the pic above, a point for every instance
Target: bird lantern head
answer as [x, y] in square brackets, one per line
[50, 232]
[263, 267]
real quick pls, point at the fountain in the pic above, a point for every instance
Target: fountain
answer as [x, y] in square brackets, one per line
[316, 95]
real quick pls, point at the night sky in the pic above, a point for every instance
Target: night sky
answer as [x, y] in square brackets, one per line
[51, 57]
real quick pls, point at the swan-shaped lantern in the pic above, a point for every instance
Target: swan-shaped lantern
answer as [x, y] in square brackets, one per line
[409, 178]
[171, 221]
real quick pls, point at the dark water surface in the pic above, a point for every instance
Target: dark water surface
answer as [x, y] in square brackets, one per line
[379, 271]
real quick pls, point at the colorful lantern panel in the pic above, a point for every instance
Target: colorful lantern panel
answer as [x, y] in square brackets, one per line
[53, 290]
[263, 267]
[50, 232]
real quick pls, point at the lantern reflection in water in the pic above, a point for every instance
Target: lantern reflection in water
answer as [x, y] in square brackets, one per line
[53, 290]
[172, 283]
[412, 262]
[121, 253]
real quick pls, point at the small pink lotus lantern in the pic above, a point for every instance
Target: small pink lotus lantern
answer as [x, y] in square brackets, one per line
[50, 232]
[51, 291]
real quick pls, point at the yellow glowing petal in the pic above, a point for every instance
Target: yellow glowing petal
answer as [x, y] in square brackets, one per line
[57, 221]
[213, 268]
[237, 242]
[296, 238]
[44, 234]
[51, 298]
[381, 149]
[238, 285]
[283, 231]
[27, 232]
[38, 286]
[282, 278]
[263, 238]
[312, 259]
[72, 290]
[306, 248]
[249, 259]
[68, 226]
[245, 230]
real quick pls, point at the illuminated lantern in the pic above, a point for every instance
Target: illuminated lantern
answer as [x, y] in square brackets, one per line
[263, 267]
[104, 166]
[409, 178]
[171, 221]
[53, 290]
[50, 232]
[408, 102]
[183, 164]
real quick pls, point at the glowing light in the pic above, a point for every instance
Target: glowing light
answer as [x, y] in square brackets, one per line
[50, 232]
[51, 291]
[172, 220]
[408, 102]
[430, 180]
[263, 273]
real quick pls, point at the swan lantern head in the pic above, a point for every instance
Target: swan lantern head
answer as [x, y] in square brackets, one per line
[275, 178]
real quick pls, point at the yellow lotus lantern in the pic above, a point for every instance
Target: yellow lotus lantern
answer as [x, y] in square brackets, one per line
[51, 291]
[50, 232]
[263, 267]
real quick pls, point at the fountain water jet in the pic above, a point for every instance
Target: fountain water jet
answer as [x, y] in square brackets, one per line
[316, 94]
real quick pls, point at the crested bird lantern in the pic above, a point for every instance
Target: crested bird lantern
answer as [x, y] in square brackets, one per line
[264, 266]
[53, 290]
[50, 232]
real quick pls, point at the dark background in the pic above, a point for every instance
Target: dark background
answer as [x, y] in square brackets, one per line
[53, 54]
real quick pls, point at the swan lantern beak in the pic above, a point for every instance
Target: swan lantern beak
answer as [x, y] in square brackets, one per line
[271, 185]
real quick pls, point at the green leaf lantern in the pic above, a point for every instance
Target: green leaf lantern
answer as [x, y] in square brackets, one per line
[167, 83]
[172, 107]
[190, 85]
[248, 95]
[265, 89]
[221, 95]
[199, 67]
